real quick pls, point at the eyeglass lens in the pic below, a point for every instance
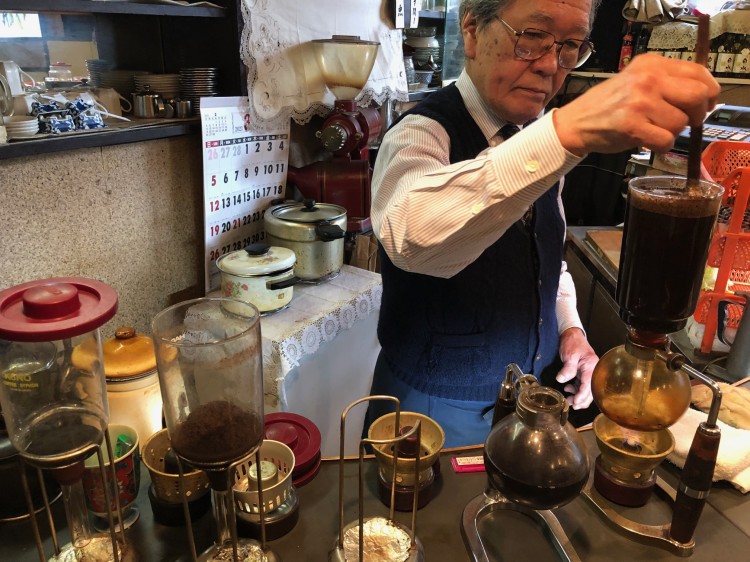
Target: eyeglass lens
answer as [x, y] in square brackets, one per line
[532, 44]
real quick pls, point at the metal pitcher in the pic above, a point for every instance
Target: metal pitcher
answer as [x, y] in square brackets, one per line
[148, 105]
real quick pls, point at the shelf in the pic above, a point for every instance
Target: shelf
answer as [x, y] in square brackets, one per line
[146, 130]
[604, 75]
[432, 14]
[110, 7]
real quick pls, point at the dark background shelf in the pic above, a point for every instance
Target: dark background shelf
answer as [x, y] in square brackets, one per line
[94, 7]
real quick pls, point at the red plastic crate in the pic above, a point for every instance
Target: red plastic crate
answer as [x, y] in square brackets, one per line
[729, 164]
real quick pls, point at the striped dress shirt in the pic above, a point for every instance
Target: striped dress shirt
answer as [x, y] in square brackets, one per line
[478, 199]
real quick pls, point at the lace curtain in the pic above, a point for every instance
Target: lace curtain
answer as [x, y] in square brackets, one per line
[283, 81]
[679, 35]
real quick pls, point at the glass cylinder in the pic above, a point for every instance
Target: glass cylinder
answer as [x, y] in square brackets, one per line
[209, 358]
[53, 397]
[665, 242]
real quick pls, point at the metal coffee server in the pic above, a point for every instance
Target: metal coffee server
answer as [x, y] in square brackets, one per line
[148, 105]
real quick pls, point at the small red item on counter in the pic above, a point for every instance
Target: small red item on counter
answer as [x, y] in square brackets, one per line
[467, 464]
[302, 436]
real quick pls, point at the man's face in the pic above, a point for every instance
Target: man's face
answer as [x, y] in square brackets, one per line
[517, 90]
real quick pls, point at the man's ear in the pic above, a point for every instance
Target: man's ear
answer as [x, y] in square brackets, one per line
[469, 32]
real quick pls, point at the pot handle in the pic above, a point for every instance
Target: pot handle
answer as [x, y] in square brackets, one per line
[274, 285]
[328, 232]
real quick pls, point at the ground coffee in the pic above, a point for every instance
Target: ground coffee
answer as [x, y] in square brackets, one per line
[217, 432]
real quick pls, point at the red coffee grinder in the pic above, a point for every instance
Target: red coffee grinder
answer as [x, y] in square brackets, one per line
[345, 62]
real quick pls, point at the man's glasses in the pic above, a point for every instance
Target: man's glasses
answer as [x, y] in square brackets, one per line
[533, 44]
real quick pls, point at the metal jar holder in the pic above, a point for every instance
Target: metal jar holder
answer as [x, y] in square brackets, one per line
[122, 542]
[415, 548]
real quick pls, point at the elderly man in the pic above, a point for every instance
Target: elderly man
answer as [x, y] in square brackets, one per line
[470, 220]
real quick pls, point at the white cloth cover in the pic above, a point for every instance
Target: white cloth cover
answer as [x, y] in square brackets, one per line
[733, 462]
[282, 78]
[653, 11]
[683, 35]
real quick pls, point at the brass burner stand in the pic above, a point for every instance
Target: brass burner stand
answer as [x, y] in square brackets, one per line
[416, 549]
[691, 495]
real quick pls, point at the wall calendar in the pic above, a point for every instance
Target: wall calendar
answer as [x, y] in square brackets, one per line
[244, 170]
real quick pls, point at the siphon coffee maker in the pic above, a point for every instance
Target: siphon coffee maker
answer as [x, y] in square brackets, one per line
[209, 358]
[642, 387]
[56, 409]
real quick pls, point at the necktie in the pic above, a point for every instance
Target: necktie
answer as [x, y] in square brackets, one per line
[507, 131]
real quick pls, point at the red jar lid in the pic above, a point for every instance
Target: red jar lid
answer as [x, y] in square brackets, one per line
[54, 309]
[302, 436]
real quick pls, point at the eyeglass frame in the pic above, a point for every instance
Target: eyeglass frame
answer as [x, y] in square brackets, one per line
[555, 42]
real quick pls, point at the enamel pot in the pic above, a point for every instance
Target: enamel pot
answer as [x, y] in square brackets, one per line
[260, 274]
[314, 232]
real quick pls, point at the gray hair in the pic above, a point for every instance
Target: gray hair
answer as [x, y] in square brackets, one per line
[486, 10]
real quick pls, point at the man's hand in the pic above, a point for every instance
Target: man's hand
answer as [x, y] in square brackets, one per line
[647, 104]
[579, 361]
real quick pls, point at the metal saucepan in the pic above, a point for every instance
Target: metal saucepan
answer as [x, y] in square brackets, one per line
[260, 274]
[314, 232]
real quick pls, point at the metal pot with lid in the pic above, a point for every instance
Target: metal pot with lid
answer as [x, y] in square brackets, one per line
[260, 274]
[314, 232]
[132, 380]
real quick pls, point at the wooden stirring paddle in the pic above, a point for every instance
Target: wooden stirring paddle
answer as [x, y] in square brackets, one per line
[696, 132]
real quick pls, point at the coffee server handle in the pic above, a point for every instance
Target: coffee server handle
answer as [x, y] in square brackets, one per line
[695, 482]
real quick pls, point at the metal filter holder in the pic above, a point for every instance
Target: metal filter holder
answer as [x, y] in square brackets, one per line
[416, 550]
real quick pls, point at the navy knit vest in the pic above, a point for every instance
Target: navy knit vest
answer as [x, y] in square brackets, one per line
[454, 337]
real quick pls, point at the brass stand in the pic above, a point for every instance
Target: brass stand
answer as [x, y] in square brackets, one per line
[693, 494]
[416, 550]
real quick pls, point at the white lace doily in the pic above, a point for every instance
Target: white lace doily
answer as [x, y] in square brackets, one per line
[282, 80]
[681, 35]
[316, 314]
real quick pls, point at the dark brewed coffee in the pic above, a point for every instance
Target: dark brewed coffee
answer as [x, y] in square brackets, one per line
[664, 249]
[217, 432]
[531, 495]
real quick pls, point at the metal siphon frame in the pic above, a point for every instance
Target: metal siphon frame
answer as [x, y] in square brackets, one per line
[79, 455]
[492, 500]
[416, 549]
[661, 535]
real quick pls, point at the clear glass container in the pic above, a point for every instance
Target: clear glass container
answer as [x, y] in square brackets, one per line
[535, 457]
[345, 63]
[635, 389]
[209, 358]
[665, 242]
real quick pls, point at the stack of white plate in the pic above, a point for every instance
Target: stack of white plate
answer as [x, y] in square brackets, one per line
[20, 126]
[120, 80]
[96, 67]
[167, 85]
[197, 83]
